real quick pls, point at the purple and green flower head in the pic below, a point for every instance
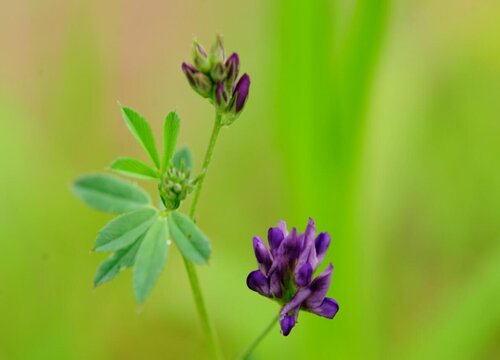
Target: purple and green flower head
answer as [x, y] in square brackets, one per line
[215, 77]
[286, 271]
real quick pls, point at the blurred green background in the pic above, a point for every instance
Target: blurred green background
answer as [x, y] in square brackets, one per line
[381, 119]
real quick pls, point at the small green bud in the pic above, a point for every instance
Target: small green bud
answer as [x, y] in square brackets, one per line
[218, 71]
[202, 84]
[175, 187]
[200, 57]
[217, 53]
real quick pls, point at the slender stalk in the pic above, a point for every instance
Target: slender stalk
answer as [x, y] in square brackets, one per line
[202, 310]
[206, 163]
[246, 353]
[190, 268]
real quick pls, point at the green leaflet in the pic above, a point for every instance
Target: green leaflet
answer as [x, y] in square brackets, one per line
[170, 132]
[124, 230]
[111, 194]
[134, 168]
[150, 259]
[190, 240]
[115, 263]
[184, 154]
[141, 130]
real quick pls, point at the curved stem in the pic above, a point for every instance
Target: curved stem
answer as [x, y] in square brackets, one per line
[190, 268]
[245, 354]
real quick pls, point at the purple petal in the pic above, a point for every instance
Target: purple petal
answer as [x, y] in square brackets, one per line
[287, 322]
[258, 282]
[241, 91]
[297, 300]
[322, 243]
[290, 312]
[303, 274]
[307, 250]
[233, 67]
[274, 236]
[310, 232]
[262, 254]
[282, 227]
[292, 245]
[275, 282]
[319, 287]
[328, 308]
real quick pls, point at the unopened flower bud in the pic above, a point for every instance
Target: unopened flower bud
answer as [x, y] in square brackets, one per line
[200, 82]
[232, 66]
[238, 99]
[217, 72]
[203, 84]
[200, 57]
[221, 96]
[217, 53]
[189, 71]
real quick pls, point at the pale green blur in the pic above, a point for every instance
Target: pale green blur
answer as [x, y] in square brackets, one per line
[380, 119]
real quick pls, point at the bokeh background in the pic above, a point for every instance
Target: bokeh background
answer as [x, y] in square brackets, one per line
[381, 119]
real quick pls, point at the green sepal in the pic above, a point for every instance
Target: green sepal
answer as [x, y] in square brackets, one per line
[124, 230]
[110, 194]
[191, 241]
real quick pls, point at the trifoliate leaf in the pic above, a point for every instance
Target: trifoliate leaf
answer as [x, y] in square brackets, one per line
[170, 133]
[190, 240]
[141, 130]
[134, 168]
[151, 259]
[120, 260]
[183, 156]
[124, 230]
[111, 194]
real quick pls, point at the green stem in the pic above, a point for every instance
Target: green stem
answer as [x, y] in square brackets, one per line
[206, 163]
[248, 351]
[190, 268]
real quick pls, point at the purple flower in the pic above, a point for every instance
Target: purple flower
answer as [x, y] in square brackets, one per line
[286, 271]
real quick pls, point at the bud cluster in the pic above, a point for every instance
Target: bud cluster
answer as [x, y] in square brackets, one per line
[215, 77]
[175, 187]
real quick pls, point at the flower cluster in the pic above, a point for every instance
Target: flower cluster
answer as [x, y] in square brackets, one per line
[216, 78]
[286, 273]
